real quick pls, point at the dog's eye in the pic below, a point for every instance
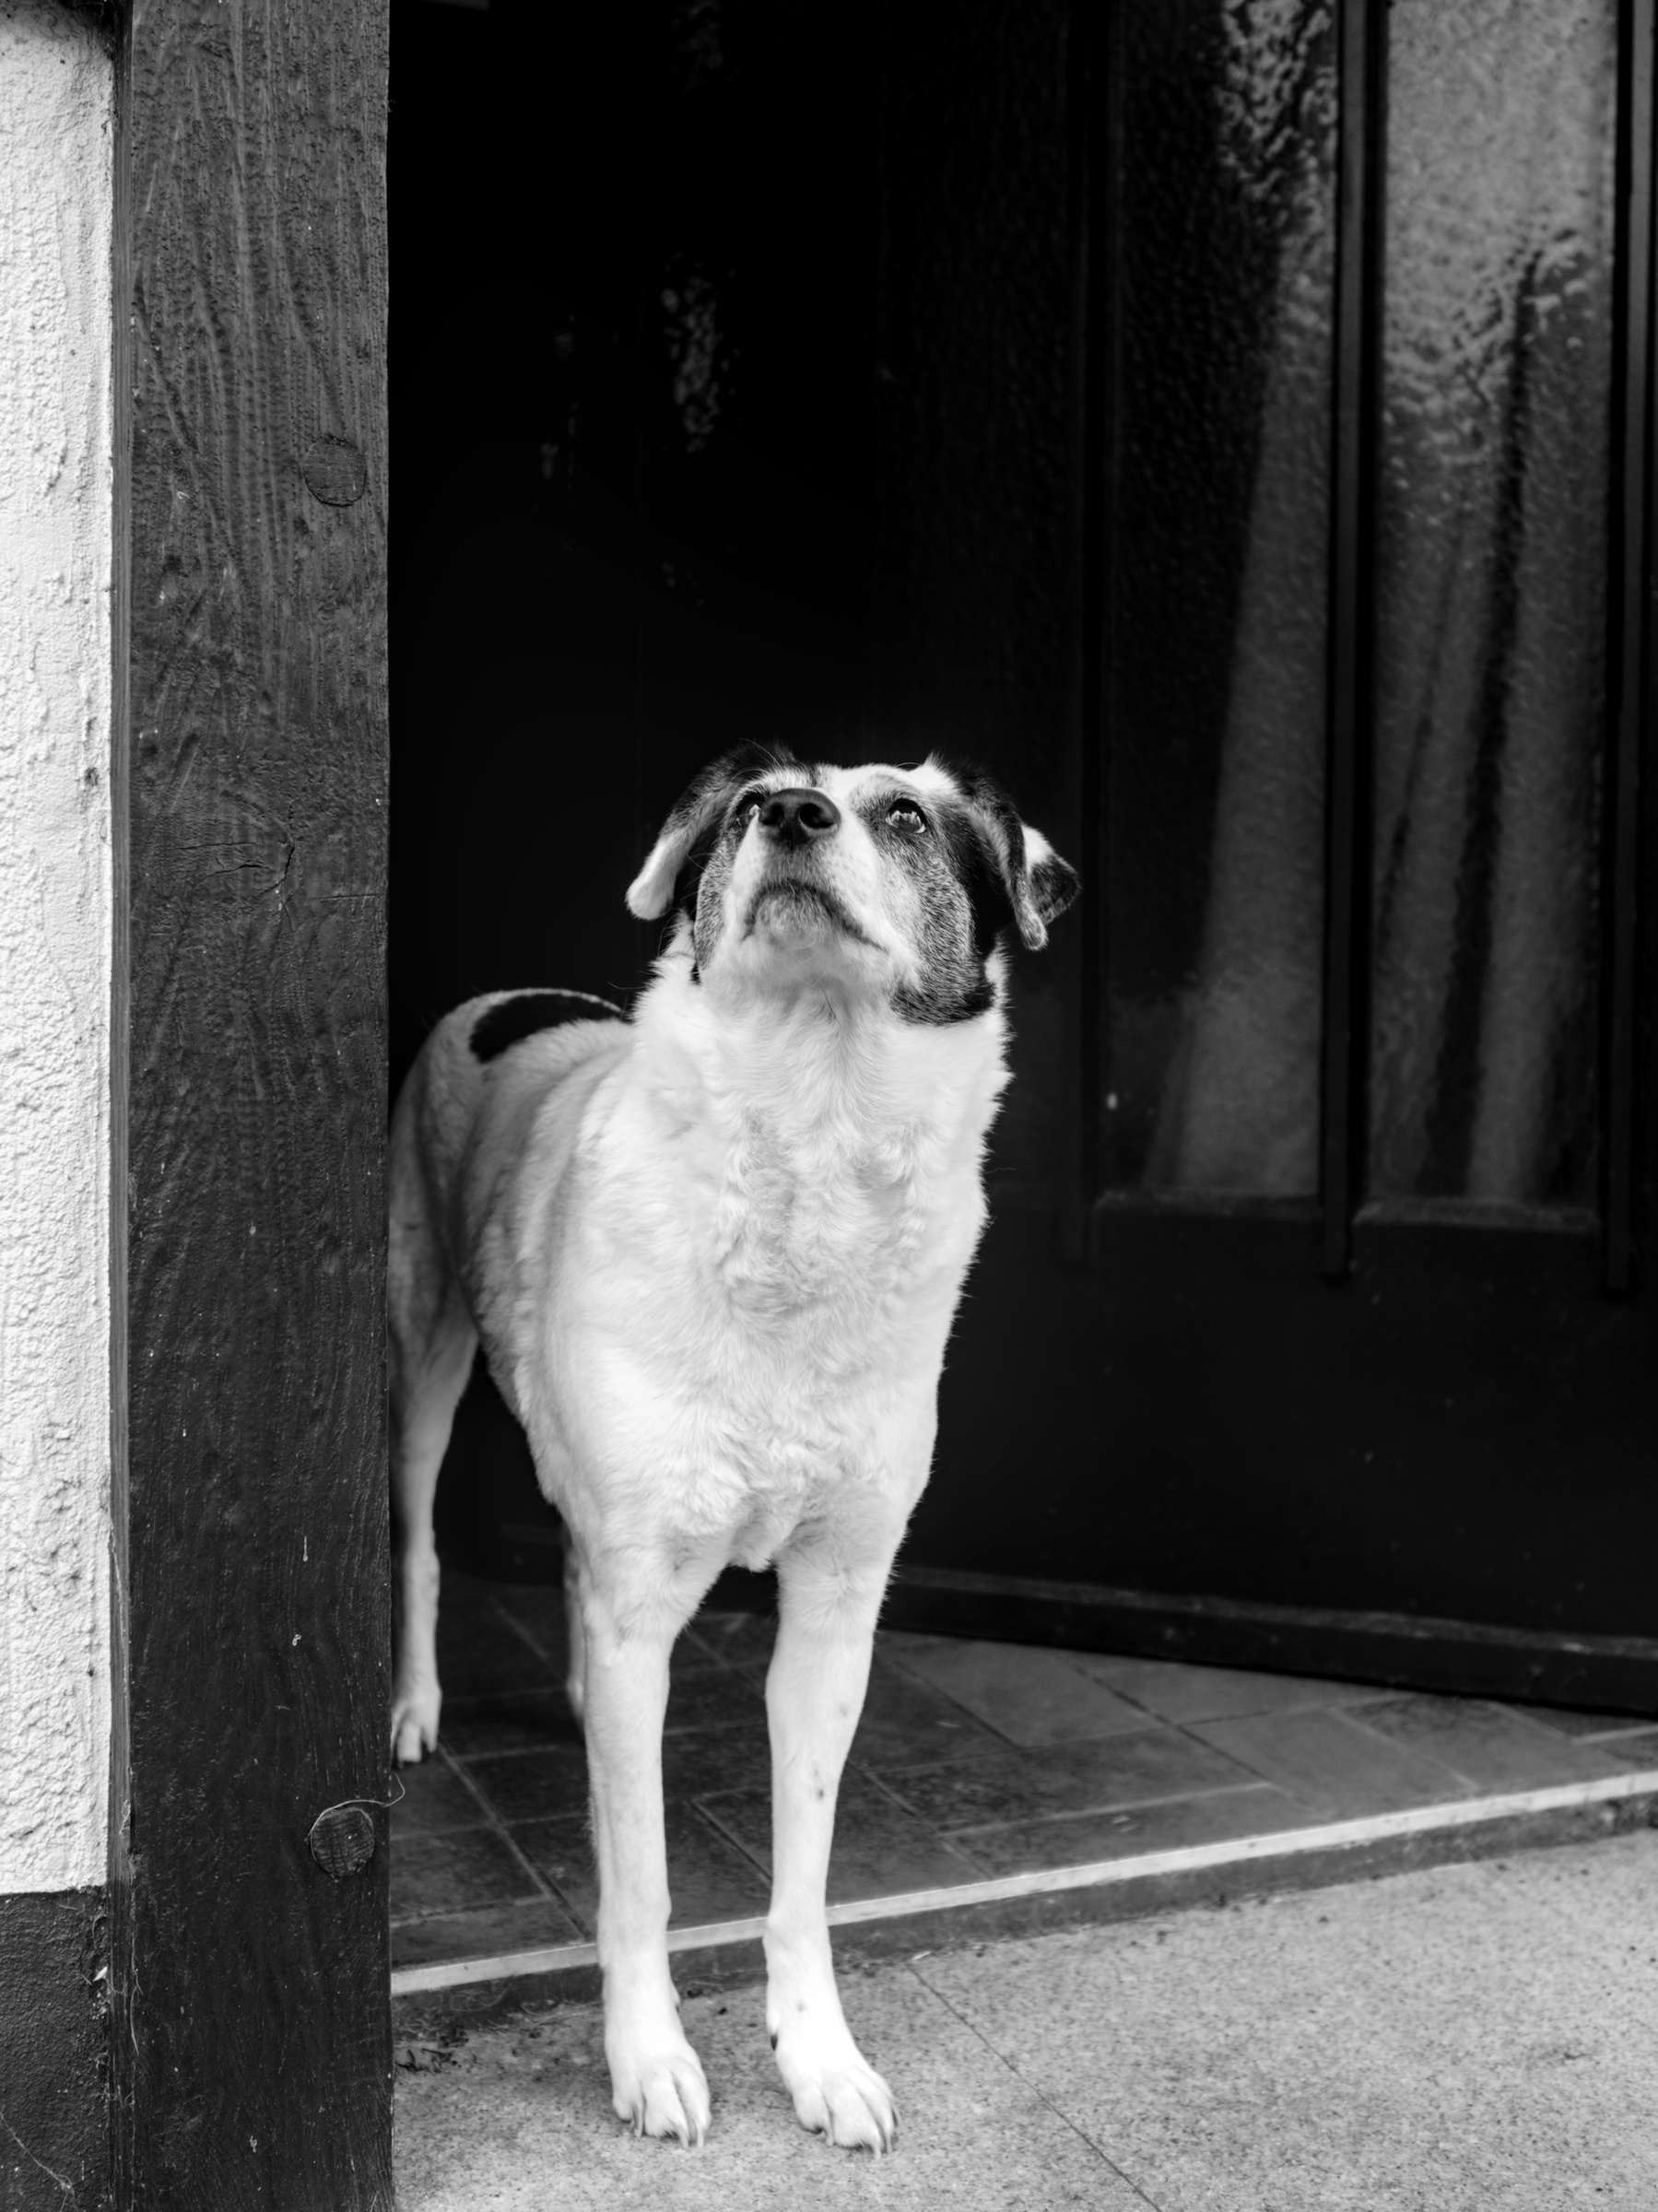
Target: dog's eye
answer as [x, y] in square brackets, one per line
[908, 817]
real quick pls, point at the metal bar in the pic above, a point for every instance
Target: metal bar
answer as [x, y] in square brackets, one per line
[1360, 55]
[1631, 507]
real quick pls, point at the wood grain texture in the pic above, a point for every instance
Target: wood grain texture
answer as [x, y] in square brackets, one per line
[253, 2050]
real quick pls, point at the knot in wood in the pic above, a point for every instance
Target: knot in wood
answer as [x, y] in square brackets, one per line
[342, 1840]
[334, 470]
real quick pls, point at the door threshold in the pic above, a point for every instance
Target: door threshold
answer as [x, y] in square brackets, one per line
[726, 1953]
[1461, 1658]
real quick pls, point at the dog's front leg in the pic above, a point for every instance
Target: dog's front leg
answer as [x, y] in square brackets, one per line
[656, 2078]
[813, 1695]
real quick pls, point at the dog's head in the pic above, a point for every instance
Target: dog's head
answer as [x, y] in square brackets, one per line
[880, 881]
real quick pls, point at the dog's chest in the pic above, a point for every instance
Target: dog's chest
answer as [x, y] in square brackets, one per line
[818, 1237]
[819, 1286]
[761, 1252]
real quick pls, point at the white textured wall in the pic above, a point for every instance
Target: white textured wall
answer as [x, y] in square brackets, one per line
[57, 124]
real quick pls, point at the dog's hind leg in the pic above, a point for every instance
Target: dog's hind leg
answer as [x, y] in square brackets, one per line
[431, 1344]
[813, 1695]
[425, 1390]
[631, 1613]
[575, 1679]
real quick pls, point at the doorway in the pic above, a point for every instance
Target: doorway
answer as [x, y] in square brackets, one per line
[1228, 426]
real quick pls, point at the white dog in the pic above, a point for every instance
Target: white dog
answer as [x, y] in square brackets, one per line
[712, 1253]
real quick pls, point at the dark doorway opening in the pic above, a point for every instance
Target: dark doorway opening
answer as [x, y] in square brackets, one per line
[674, 474]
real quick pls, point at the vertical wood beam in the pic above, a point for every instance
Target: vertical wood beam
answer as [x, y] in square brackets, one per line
[251, 2043]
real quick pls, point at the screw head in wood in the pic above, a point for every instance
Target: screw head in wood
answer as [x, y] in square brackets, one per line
[334, 470]
[342, 1841]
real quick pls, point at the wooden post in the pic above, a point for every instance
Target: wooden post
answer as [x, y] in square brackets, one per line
[251, 2040]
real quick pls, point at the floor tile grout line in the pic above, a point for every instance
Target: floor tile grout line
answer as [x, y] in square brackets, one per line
[1596, 1742]
[1381, 1692]
[1454, 1784]
[1107, 1812]
[894, 1659]
[1036, 2089]
[1415, 1820]
[879, 1769]
[1431, 1759]
[670, 1736]
[1188, 1729]
[1207, 1720]
[888, 1792]
[921, 1682]
[1552, 1735]
[1126, 1696]
[493, 1820]
[1454, 1781]
[727, 1836]
[497, 1607]
[1249, 1780]
[519, 1750]
[705, 1645]
[418, 1920]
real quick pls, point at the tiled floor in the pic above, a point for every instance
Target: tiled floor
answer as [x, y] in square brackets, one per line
[973, 1759]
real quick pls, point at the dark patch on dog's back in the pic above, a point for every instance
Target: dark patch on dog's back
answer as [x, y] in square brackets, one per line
[528, 1013]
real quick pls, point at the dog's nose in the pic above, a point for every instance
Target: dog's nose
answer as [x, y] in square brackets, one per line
[796, 817]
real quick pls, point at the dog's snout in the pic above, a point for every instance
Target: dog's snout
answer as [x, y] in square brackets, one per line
[797, 816]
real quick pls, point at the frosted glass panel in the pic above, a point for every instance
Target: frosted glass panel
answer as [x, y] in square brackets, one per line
[1219, 521]
[1491, 601]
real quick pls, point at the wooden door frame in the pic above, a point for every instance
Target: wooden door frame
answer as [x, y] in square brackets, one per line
[249, 2046]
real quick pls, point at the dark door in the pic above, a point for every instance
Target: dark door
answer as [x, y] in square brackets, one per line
[1230, 425]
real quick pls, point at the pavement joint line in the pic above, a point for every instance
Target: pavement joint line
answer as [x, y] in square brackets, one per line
[1035, 2087]
[1242, 1851]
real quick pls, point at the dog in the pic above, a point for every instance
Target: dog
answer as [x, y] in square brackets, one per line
[712, 1250]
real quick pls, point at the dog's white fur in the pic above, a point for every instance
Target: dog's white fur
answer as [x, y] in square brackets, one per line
[713, 1254]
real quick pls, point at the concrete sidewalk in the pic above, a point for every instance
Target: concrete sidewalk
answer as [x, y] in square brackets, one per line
[1479, 2036]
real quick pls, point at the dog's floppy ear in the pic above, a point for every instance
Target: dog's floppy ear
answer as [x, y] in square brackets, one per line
[650, 893]
[1038, 885]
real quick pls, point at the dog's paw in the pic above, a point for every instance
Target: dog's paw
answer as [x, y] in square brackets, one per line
[415, 1725]
[835, 2093]
[662, 2092]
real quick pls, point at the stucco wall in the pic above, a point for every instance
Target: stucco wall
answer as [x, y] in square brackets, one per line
[56, 125]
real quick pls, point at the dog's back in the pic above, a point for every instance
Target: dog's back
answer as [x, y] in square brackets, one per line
[499, 1076]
